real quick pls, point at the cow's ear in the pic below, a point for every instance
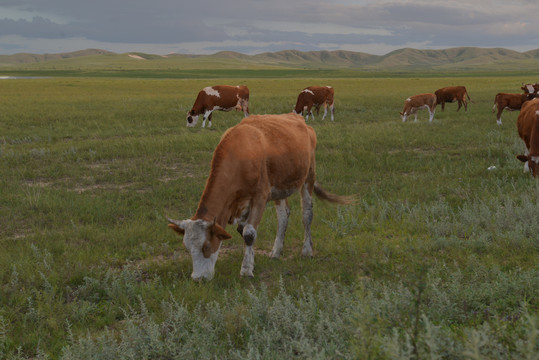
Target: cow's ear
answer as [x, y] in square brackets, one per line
[522, 158]
[176, 228]
[219, 232]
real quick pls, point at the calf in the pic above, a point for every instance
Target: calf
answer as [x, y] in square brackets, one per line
[419, 102]
[219, 97]
[315, 96]
[451, 94]
[503, 101]
[263, 158]
[528, 130]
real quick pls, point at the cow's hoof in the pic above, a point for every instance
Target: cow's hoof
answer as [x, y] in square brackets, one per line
[248, 273]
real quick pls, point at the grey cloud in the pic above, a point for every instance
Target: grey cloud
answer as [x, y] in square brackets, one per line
[435, 22]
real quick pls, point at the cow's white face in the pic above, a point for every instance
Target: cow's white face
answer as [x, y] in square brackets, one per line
[191, 119]
[532, 163]
[203, 241]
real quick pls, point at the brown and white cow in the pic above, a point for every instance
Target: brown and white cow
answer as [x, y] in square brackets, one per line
[418, 102]
[219, 97]
[530, 88]
[263, 158]
[451, 94]
[315, 96]
[511, 102]
[528, 130]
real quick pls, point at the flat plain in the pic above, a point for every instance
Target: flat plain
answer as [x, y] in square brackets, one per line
[437, 259]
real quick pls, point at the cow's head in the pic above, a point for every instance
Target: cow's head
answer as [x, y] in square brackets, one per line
[203, 240]
[404, 115]
[532, 162]
[192, 119]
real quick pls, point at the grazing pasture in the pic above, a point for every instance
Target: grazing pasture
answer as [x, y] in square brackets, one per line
[437, 259]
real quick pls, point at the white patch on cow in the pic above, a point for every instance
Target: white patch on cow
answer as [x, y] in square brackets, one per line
[193, 239]
[535, 159]
[408, 100]
[530, 88]
[329, 87]
[211, 91]
[308, 91]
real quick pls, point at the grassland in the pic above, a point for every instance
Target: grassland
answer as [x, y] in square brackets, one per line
[438, 258]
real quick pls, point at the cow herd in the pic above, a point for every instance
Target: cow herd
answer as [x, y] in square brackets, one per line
[269, 157]
[430, 101]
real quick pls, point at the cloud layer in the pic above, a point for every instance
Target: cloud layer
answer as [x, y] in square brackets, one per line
[255, 26]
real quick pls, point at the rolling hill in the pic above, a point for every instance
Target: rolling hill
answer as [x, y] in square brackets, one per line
[461, 58]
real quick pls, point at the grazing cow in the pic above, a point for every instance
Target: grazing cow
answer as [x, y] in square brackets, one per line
[263, 158]
[528, 130]
[315, 96]
[451, 94]
[503, 101]
[219, 97]
[419, 102]
[530, 88]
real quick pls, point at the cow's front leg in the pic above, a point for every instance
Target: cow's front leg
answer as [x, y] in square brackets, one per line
[248, 263]
[283, 212]
[249, 236]
[207, 114]
[307, 209]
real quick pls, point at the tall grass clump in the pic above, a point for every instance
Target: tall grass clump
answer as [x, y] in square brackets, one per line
[392, 321]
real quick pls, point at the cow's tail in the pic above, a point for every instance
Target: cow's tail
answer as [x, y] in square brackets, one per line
[326, 195]
[468, 96]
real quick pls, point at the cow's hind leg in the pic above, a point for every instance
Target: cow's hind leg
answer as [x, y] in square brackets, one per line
[431, 113]
[325, 111]
[332, 108]
[499, 116]
[283, 212]
[307, 209]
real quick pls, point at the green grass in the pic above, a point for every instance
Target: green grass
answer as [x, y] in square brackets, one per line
[438, 258]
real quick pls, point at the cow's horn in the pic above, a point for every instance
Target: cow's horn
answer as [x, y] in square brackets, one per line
[176, 222]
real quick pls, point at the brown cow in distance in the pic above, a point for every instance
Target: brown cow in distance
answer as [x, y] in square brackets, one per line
[419, 102]
[528, 130]
[219, 97]
[263, 158]
[511, 102]
[451, 94]
[315, 96]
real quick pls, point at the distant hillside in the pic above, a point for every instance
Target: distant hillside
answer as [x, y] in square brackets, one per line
[461, 58]
[23, 58]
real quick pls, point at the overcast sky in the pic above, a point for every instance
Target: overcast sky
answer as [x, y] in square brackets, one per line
[256, 26]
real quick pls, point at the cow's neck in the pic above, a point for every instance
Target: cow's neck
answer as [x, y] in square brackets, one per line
[215, 202]
[534, 138]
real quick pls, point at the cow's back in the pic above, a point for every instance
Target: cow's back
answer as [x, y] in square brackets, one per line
[280, 147]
